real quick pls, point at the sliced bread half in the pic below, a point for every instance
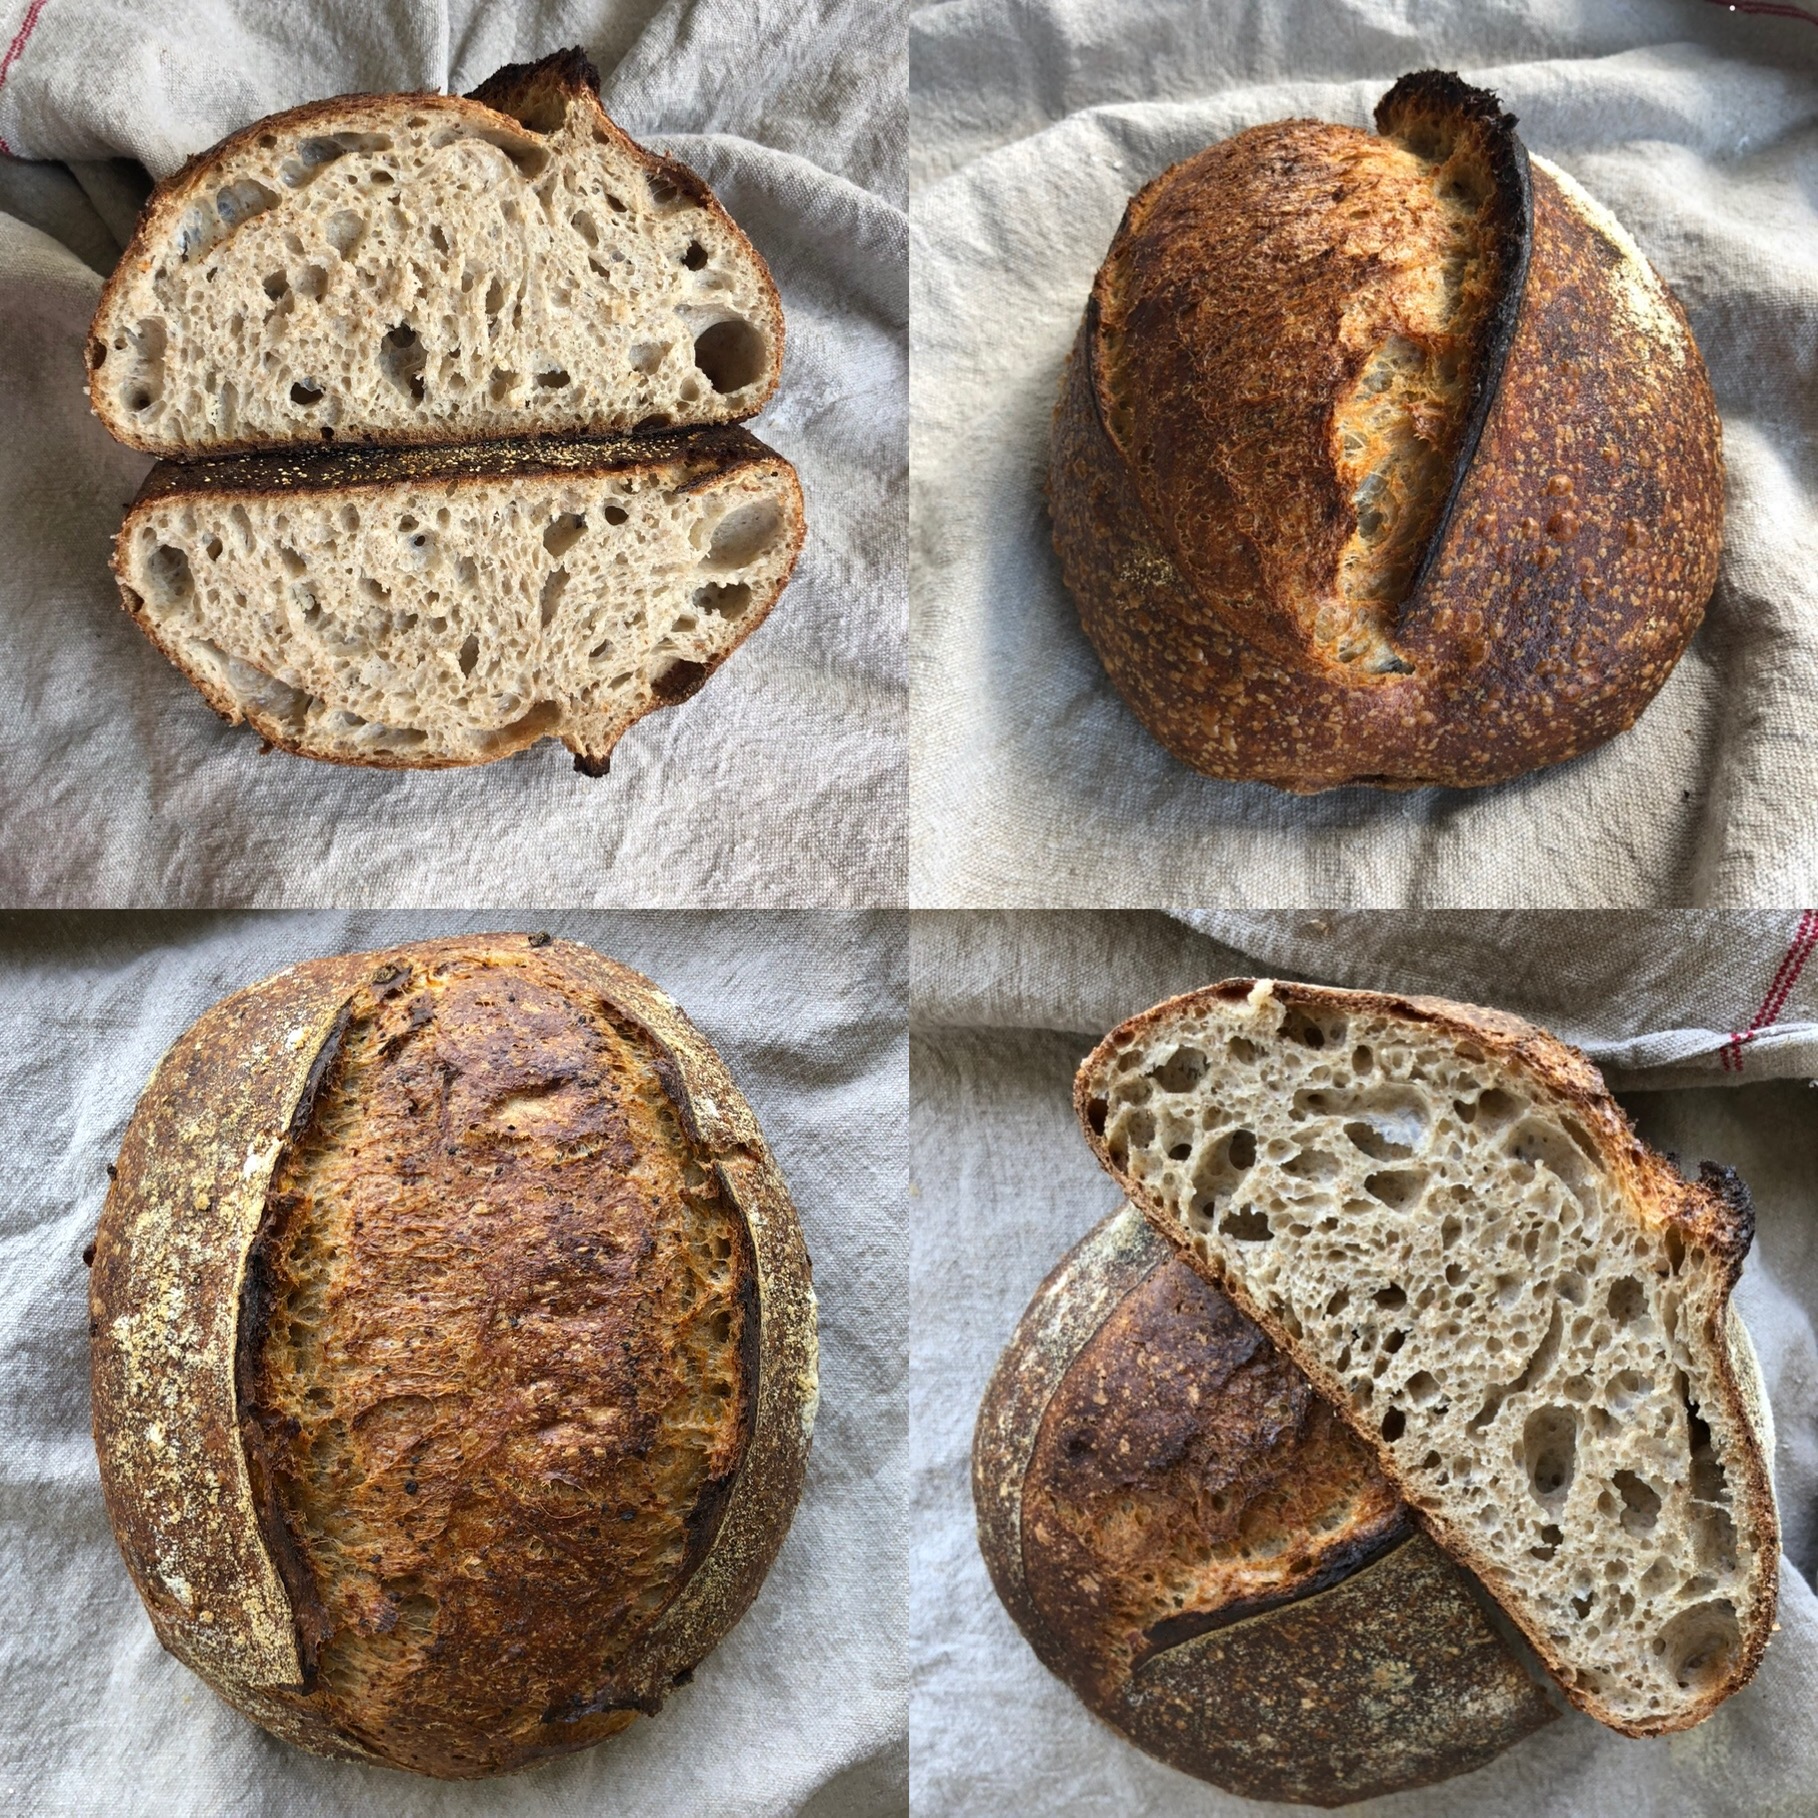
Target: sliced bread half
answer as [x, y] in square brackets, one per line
[431, 268]
[1442, 1216]
[428, 607]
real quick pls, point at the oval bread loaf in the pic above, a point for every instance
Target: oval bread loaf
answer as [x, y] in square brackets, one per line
[1384, 458]
[1441, 1215]
[453, 1352]
[1200, 1548]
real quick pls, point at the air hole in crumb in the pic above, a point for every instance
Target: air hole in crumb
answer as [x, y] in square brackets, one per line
[1398, 1189]
[696, 255]
[437, 238]
[495, 297]
[563, 533]
[1394, 1424]
[276, 285]
[1640, 1503]
[1701, 1642]
[730, 354]
[646, 356]
[305, 394]
[551, 600]
[613, 514]
[1627, 1300]
[1181, 1071]
[1246, 1224]
[731, 601]
[343, 230]
[470, 654]
[1549, 1444]
[554, 379]
[657, 421]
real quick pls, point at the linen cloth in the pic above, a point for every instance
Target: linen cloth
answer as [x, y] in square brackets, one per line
[1033, 122]
[800, 1710]
[782, 783]
[1004, 1006]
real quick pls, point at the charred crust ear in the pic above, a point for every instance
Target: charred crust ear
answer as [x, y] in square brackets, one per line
[534, 93]
[1736, 1234]
[592, 766]
[1439, 116]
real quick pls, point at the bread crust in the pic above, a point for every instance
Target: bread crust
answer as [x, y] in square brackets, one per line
[174, 1314]
[530, 97]
[1575, 552]
[1713, 1212]
[682, 459]
[1262, 1697]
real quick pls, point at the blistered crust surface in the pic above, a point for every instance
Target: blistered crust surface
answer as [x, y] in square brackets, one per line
[1572, 562]
[420, 268]
[1455, 1232]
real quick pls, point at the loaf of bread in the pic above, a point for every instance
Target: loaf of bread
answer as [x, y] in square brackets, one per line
[453, 1352]
[1440, 1214]
[1384, 458]
[432, 268]
[1205, 1553]
[427, 607]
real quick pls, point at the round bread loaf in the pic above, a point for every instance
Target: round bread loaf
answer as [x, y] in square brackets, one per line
[1384, 458]
[1203, 1551]
[453, 1351]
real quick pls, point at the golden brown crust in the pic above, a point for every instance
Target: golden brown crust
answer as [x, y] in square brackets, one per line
[533, 97]
[230, 1107]
[1713, 1213]
[1201, 1550]
[682, 459]
[1197, 512]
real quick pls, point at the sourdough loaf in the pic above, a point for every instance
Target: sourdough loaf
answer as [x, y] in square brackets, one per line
[453, 1352]
[427, 607]
[1439, 1213]
[1201, 1548]
[432, 268]
[1383, 458]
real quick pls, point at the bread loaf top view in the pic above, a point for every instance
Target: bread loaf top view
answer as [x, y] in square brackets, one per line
[432, 268]
[453, 1352]
[1384, 457]
[1440, 1215]
[1200, 1547]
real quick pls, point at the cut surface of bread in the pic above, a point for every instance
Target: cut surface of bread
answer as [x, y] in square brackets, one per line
[429, 268]
[1439, 1212]
[431, 607]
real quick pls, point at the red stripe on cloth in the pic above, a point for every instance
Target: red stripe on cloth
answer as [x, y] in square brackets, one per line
[1792, 963]
[1771, 9]
[12, 51]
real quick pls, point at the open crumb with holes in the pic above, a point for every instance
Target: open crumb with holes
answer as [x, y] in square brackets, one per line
[1439, 1212]
[430, 607]
[424, 268]
[420, 273]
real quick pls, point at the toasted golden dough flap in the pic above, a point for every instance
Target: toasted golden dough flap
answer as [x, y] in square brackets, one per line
[1383, 458]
